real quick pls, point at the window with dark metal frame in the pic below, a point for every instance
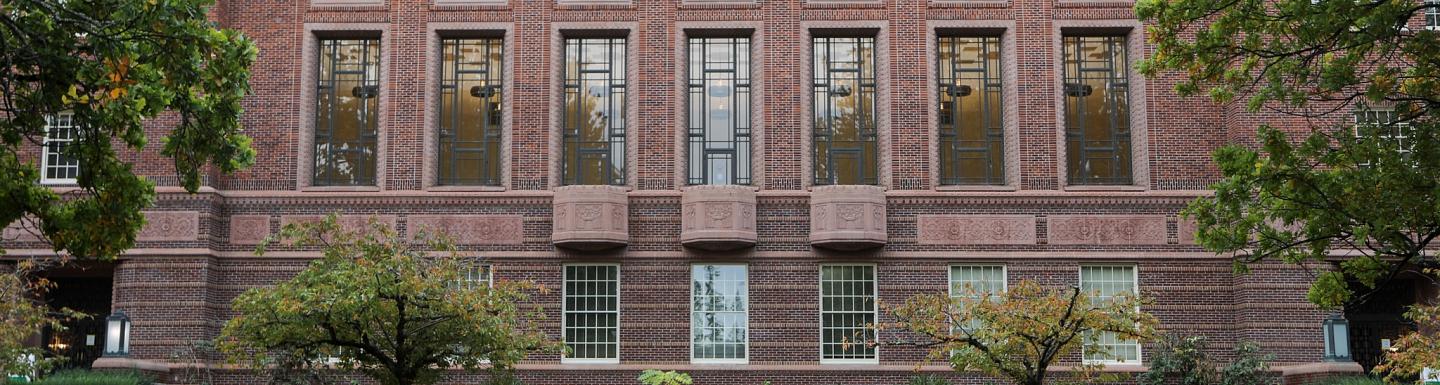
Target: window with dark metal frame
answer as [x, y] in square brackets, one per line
[719, 111]
[1097, 110]
[844, 132]
[58, 166]
[471, 118]
[594, 111]
[347, 112]
[972, 133]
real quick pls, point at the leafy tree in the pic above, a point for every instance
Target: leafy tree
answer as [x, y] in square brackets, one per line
[1310, 194]
[114, 65]
[1415, 351]
[1186, 359]
[22, 316]
[1018, 334]
[660, 377]
[375, 304]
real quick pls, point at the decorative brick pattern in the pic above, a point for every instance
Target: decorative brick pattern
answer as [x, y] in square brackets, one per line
[170, 226]
[249, 229]
[1107, 230]
[472, 229]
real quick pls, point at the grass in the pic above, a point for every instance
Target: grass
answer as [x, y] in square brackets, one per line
[1355, 380]
[83, 377]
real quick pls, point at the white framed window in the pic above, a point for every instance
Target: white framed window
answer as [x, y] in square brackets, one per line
[592, 313]
[57, 167]
[1383, 123]
[474, 276]
[847, 309]
[719, 313]
[1106, 282]
[973, 281]
[1432, 14]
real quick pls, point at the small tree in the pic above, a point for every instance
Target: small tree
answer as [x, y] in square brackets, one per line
[661, 377]
[1419, 349]
[21, 317]
[1185, 359]
[1020, 333]
[376, 305]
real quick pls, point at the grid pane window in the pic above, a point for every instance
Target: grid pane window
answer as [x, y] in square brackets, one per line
[971, 282]
[347, 112]
[1105, 283]
[592, 312]
[847, 306]
[1432, 14]
[58, 166]
[474, 277]
[1385, 124]
[971, 131]
[594, 111]
[719, 317]
[844, 111]
[470, 111]
[719, 111]
[1097, 110]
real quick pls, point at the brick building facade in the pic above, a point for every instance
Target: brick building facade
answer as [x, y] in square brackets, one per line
[1053, 195]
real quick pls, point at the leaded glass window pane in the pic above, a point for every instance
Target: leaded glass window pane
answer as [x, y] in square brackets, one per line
[347, 112]
[592, 312]
[594, 111]
[1097, 110]
[719, 317]
[719, 111]
[847, 308]
[471, 89]
[1104, 284]
[972, 133]
[58, 166]
[844, 132]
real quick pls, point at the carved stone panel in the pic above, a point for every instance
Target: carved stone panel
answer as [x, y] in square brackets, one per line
[847, 217]
[472, 229]
[591, 217]
[1185, 231]
[975, 229]
[170, 226]
[249, 229]
[1107, 230]
[351, 222]
[718, 217]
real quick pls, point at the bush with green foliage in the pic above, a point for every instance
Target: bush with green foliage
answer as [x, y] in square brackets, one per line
[927, 379]
[1186, 360]
[85, 377]
[1354, 380]
[659, 377]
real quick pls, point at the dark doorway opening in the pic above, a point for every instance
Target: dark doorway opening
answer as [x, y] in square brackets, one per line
[1380, 320]
[85, 288]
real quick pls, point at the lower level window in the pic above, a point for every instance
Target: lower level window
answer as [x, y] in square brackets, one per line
[1105, 283]
[592, 313]
[847, 309]
[719, 313]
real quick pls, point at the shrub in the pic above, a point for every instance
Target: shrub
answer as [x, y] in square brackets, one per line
[1353, 380]
[1185, 359]
[657, 377]
[927, 379]
[84, 377]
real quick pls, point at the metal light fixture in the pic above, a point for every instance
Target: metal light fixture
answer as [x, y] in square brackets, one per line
[1078, 90]
[117, 334]
[365, 92]
[1337, 339]
[957, 90]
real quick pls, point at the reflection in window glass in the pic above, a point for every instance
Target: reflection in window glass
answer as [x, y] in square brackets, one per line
[470, 113]
[971, 132]
[58, 166]
[719, 320]
[1097, 110]
[594, 114]
[1105, 283]
[346, 113]
[847, 309]
[719, 111]
[592, 312]
[844, 110]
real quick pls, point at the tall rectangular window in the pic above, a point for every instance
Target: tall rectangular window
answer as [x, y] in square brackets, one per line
[1097, 110]
[474, 276]
[347, 112]
[847, 308]
[844, 111]
[971, 131]
[57, 166]
[1384, 124]
[972, 282]
[719, 115]
[592, 313]
[1106, 282]
[594, 111]
[470, 111]
[1432, 14]
[719, 313]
